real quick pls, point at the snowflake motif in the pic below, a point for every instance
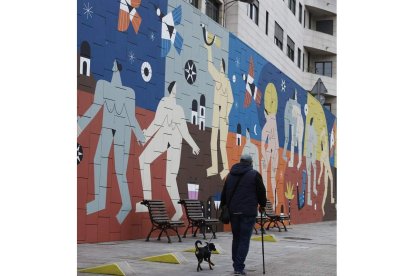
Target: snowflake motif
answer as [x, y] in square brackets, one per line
[131, 57]
[152, 36]
[283, 85]
[237, 62]
[88, 10]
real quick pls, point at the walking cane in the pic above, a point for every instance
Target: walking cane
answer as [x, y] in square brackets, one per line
[261, 225]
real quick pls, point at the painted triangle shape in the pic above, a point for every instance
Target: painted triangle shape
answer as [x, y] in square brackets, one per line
[165, 258]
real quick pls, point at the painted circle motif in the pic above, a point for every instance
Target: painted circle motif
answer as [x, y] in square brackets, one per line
[80, 153]
[270, 98]
[190, 71]
[306, 109]
[146, 71]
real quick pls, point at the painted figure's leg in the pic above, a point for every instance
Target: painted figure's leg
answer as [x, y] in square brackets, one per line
[213, 170]
[293, 141]
[100, 172]
[121, 153]
[325, 192]
[321, 172]
[299, 138]
[173, 165]
[328, 172]
[309, 171]
[275, 160]
[314, 176]
[151, 152]
[224, 130]
[287, 128]
[265, 166]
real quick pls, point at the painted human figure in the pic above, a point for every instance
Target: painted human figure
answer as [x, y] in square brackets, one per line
[310, 154]
[223, 101]
[251, 150]
[293, 119]
[167, 130]
[270, 152]
[118, 105]
[326, 169]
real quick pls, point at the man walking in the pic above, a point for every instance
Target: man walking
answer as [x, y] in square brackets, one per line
[243, 190]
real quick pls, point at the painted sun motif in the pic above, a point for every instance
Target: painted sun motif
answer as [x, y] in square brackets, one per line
[88, 10]
[190, 71]
[283, 85]
[131, 57]
[146, 71]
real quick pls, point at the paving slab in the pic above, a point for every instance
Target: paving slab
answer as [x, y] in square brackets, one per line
[304, 250]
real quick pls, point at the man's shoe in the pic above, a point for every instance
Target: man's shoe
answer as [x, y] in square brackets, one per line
[239, 272]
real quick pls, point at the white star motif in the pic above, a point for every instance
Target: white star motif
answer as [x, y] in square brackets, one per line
[131, 57]
[152, 36]
[237, 61]
[88, 10]
[79, 154]
[283, 85]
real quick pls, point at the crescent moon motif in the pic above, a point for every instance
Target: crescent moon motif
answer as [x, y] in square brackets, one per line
[255, 129]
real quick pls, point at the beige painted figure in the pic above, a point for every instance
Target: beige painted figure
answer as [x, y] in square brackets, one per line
[167, 130]
[271, 152]
[223, 101]
[327, 166]
[311, 144]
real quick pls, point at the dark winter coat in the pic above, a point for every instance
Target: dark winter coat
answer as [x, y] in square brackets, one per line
[249, 193]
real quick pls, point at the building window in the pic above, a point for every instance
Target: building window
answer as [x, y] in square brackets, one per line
[325, 26]
[194, 3]
[292, 6]
[300, 13]
[267, 22]
[253, 11]
[212, 9]
[278, 36]
[303, 62]
[291, 49]
[323, 68]
[299, 56]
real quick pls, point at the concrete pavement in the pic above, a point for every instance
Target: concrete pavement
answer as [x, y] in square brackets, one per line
[305, 250]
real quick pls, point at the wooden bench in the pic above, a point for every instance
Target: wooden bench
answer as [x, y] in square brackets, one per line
[160, 220]
[274, 218]
[195, 216]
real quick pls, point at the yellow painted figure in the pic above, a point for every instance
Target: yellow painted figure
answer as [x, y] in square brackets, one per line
[223, 101]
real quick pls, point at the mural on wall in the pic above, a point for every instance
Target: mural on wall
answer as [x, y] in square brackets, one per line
[156, 123]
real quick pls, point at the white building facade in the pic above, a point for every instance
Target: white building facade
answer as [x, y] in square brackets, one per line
[297, 36]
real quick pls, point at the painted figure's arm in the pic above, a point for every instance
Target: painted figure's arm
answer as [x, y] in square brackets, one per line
[230, 98]
[182, 127]
[98, 100]
[130, 109]
[211, 69]
[265, 135]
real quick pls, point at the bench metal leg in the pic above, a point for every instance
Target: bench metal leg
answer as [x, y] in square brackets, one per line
[185, 232]
[152, 230]
[159, 236]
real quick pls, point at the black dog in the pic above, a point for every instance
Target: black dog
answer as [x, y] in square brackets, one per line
[204, 253]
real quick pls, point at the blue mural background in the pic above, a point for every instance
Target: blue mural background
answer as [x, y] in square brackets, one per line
[107, 43]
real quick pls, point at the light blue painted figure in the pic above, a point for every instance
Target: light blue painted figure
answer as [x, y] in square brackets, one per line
[118, 104]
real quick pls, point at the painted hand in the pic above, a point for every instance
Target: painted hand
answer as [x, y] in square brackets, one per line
[196, 150]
